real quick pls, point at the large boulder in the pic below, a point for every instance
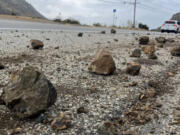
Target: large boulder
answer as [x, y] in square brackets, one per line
[133, 68]
[28, 93]
[175, 51]
[37, 44]
[103, 63]
[144, 40]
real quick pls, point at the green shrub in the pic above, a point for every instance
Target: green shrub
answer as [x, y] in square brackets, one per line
[13, 14]
[67, 21]
[57, 20]
[143, 26]
[71, 21]
[97, 25]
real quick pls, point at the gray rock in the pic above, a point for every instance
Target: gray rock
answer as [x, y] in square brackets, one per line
[170, 40]
[103, 63]
[175, 51]
[103, 32]
[152, 56]
[144, 40]
[82, 110]
[37, 44]
[136, 53]
[113, 31]
[80, 34]
[116, 40]
[61, 122]
[28, 93]
[161, 40]
[133, 68]
[108, 128]
[2, 66]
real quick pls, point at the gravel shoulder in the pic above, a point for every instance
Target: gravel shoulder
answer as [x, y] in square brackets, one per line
[65, 59]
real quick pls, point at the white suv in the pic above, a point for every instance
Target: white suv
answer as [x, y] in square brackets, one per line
[171, 26]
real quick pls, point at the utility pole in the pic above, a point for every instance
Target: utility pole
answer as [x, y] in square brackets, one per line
[134, 20]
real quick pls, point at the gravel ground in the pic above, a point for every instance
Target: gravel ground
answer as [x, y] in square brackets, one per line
[104, 97]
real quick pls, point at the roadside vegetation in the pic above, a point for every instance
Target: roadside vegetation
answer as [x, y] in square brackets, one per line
[67, 21]
[13, 14]
[128, 25]
[97, 24]
[143, 26]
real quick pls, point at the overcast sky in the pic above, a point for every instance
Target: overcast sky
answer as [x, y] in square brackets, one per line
[151, 12]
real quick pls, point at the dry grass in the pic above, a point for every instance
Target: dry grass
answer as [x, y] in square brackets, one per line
[25, 18]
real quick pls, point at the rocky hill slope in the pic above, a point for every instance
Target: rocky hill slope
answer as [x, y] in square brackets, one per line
[18, 7]
[176, 16]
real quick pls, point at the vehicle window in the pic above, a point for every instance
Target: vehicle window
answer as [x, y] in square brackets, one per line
[169, 22]
[178, 23]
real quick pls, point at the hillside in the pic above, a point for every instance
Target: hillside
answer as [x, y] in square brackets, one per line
[18, 7]
[176, 16]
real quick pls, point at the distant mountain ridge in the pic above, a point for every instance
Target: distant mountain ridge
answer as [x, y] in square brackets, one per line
[18, 7]
[176, 16]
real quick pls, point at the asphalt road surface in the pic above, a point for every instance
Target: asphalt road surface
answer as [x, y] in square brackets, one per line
[6, 24]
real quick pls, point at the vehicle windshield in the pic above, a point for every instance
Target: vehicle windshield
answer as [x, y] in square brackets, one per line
[169, 22]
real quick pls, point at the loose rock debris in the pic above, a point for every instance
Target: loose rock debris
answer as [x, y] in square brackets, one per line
[124, 103]
[61, 122]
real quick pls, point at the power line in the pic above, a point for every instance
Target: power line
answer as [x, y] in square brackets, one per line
[124, 2]
[149, 6]
[116, 2]
[156, 7]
